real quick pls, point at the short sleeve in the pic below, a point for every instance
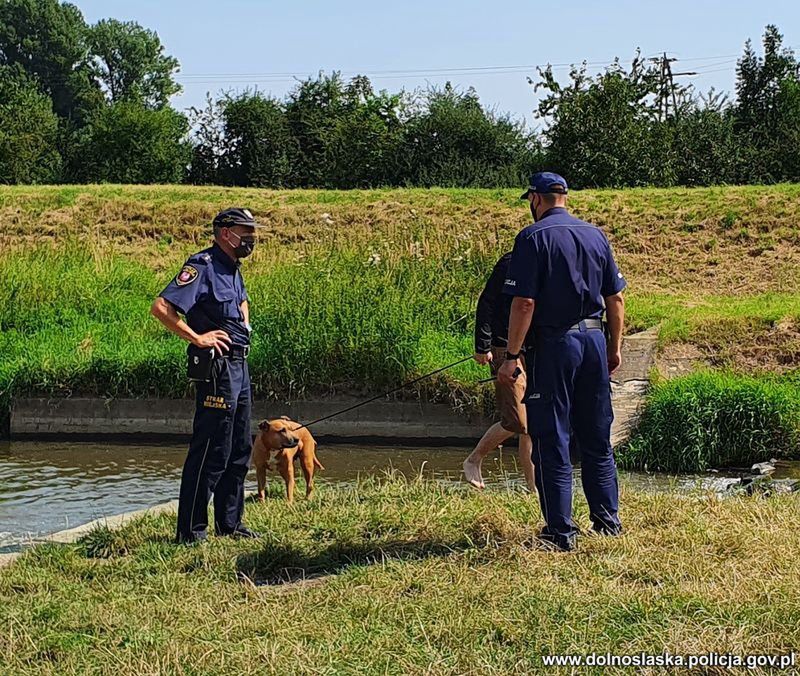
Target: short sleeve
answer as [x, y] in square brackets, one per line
[613, 281]
[523, 272]
[187, 286]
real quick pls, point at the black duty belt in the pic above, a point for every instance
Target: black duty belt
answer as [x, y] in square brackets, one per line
[238, 352]
[591, 323]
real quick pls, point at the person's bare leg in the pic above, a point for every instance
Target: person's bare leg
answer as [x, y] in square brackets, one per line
[490, 440]
[525, 461]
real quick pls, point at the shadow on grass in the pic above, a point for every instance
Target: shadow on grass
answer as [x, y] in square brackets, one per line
[280, 564]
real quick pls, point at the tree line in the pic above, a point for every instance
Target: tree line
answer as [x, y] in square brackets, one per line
[83, 103]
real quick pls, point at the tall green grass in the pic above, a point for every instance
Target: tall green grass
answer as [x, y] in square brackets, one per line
[74, 319]
[716, 419]
[75, 322]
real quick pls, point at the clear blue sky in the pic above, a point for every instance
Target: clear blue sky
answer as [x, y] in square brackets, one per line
[221, 44]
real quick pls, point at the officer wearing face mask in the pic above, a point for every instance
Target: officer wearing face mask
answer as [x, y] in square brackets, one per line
[564, 279]
[209, 292]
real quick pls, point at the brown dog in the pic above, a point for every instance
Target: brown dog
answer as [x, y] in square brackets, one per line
[289, 441]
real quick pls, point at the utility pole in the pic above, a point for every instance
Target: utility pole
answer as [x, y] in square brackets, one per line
[666, 88]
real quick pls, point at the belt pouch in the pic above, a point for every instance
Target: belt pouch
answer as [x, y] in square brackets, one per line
[199, 363]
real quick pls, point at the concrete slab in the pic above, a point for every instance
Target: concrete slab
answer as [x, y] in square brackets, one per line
[74, 534]
[81, 416]
[8, 559]
[390, 421]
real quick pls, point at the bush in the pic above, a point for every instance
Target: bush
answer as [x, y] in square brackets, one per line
[452, 140]
[128, 143]
[712, 419]
[260, 150]
[28, 131]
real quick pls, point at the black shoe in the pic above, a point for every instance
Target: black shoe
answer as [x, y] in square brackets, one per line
[563, 543]
[242, 532]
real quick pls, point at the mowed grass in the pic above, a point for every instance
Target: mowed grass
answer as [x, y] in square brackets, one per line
[408, 577]
[719, 241]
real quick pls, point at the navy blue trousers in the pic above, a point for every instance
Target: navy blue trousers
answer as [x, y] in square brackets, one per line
[219, 452]
[569, 390]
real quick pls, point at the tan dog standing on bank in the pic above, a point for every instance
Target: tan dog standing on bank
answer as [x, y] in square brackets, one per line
[289, 441]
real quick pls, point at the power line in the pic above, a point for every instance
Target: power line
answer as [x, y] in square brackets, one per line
[200, 78]
[719, 70]
[710, 64]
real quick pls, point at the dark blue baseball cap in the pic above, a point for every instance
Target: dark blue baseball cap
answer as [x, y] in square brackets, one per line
[235, 216]
[546, 182]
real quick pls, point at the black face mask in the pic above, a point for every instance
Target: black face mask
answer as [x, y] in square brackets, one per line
[533, 213]
[245, 247]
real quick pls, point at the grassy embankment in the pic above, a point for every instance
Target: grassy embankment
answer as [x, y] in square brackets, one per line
[417, 579]
[353, 291]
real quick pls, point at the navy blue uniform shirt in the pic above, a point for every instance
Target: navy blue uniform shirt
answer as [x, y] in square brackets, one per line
[493, 310]
[209, 291]
[566, 266]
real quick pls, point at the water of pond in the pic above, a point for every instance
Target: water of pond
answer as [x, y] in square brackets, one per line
[50, 486]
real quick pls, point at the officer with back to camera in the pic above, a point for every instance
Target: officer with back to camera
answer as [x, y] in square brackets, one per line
[210, 293]
[563, 278]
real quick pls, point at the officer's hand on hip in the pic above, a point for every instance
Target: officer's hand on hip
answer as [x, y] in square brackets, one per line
[483, 358]
[614, 360]
[508, 372]
[219, 340]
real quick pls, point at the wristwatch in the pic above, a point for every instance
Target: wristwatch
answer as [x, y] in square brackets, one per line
[512, 357]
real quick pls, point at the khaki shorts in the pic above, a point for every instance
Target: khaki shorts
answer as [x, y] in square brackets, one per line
[510, 398]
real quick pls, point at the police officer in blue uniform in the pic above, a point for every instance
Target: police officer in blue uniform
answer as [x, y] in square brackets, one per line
[210, 293]
[564, 278]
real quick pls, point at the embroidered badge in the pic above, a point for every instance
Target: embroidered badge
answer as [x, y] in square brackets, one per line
[215, 402]
[186, 276]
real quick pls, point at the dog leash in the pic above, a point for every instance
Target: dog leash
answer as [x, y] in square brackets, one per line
[385, 394]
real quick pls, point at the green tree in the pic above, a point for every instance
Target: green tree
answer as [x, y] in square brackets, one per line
[48, 40]
[347, 135]
[704, 148]
[28, 131]
[131, 63]
[451, 140]
[365, 138]
[258, 147]
[312, 111]
[768, 98]
[128, 143]
[207, 141]
[606, 130]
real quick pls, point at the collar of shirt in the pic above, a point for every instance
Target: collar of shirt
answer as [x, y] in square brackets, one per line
[225, 259]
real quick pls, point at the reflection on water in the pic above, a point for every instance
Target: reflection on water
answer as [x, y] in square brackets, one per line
[49, 486]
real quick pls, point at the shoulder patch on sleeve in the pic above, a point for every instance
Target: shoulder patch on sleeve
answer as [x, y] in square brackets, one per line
[186, 276]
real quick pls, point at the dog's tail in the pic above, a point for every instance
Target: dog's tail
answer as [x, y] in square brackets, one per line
[317, 463]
